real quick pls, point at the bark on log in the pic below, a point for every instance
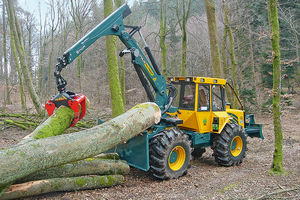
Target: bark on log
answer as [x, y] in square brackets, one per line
[61, 184]
[56, 124]
[22, 160]
[89, 166]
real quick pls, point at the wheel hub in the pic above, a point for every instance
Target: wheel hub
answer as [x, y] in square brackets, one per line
[236, 146]
[176, 158]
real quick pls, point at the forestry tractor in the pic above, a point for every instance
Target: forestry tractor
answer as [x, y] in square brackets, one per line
[198, 118]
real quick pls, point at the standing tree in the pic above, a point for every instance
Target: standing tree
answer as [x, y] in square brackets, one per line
[112, 64]
[226, 69]
[119, 3]
[15, 28]
[42, 51]
[54, 22]
[232, 53]
[213, 37]
[79, 11]
[7, 95]
[162, 35]
[274, 24]
[182, 21]
[20, 76]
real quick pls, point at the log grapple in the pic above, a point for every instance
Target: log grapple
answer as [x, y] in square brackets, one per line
[66, 98]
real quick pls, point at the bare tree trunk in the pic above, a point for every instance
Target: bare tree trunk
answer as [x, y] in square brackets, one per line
[182, 23]
[20, 76]
[118, 4]
[7, 93]
[22, 160]
[112, 64]
[232, 53]
[54, 25]
[226, 68]
[277, 156]
[162, 35]
[253, 74]
[77, 25]
[213, 38]
[22, 56]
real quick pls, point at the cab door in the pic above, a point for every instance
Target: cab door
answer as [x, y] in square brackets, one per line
[203, 114]
[186, 103]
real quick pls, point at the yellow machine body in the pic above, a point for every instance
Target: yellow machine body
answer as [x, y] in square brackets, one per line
[199, 118]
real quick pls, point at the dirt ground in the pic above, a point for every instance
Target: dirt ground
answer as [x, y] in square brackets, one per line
[206, 180]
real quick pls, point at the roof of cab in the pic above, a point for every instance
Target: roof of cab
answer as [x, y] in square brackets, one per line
[197, 79]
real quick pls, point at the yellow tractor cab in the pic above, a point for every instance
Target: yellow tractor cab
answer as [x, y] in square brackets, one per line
[202, 104]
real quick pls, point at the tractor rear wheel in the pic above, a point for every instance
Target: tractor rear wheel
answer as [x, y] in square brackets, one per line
[170, 154]
[230, 145]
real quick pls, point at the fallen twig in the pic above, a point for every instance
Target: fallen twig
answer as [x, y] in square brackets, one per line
[278, 192]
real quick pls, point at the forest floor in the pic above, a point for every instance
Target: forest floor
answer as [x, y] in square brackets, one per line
[207, 180]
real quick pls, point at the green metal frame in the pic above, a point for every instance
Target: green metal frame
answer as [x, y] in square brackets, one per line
[252, 129]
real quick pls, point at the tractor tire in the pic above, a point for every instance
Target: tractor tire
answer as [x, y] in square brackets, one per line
[170, 154]
[230, 145]
[197, 153]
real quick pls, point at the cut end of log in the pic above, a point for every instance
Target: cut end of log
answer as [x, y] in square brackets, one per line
[24, 186]
[157, 114]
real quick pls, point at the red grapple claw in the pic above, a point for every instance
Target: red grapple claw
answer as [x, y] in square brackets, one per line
[50, 106]
[73, 102]
[74, 105]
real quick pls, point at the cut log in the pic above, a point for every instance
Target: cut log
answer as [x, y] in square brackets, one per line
[89, 166]
[22, 160]
[56, 124]
[60, 184]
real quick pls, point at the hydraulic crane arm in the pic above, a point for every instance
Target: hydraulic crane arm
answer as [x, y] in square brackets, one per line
[147, 72]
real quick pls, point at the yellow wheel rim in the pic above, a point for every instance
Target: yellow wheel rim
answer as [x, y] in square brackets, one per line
[176, 158]
[236, 146]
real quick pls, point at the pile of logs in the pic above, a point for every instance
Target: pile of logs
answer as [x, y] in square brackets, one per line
[47, 160]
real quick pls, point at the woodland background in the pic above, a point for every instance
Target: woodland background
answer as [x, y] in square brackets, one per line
[65, 22]
[177, 32]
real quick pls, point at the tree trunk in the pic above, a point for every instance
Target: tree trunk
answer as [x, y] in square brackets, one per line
[77, 30]
[226, 68]
[277, 156]
[253, 76]
[182, 23]
[22, 56]
[118, 4]
[22, 160]
[213, 38]
[49, 64]
[232, 54]
[112, 64]
[61, 184]
[6, 96]
[20, 77]
[183, 50]
[162, 36]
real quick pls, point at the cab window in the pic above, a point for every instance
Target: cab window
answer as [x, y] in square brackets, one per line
[218, 98]
[186, 95]
[203, 98]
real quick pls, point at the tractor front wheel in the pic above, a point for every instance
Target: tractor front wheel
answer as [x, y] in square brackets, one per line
[230, 145]
[170, 154]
